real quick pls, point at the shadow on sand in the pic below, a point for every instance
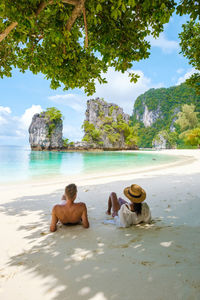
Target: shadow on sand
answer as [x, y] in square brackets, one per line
[157, 261]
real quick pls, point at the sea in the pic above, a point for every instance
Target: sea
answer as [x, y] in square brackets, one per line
[20, 163]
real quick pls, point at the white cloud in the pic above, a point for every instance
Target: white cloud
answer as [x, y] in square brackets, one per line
[5, 110]
[162, 42]
[16, 127]
[74, 117]
[4, 114]
[8, 123]
[26, 118]
[179, 71]
[186, 76]
[74, 101]
[120, 90]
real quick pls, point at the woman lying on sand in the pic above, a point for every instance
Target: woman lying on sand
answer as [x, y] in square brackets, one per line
[127, 214]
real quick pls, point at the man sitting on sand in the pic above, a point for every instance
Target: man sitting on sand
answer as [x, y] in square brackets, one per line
[69, 212]
[126, 214]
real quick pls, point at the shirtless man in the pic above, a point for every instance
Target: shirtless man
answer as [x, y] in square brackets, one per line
[69, 212]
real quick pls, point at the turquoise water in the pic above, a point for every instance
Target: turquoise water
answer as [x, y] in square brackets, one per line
[19, 163]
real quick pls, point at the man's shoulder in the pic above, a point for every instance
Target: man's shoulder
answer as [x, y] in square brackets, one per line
[81, 204]
[56, 208]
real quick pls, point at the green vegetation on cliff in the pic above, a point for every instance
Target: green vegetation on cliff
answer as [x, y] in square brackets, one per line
[187, 118]
[53, 117]
[192, 137]
[189, 125]
[164, 104]
[109, 127]
[113, 130]
[91, 133]
[67, 143]
[53, 114]
[167, 100]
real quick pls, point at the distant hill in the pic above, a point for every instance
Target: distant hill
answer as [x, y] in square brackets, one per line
[157, 110]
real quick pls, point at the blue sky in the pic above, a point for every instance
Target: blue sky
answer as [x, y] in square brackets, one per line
[22, 95]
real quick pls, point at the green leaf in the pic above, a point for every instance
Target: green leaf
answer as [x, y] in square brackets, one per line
[99, 7]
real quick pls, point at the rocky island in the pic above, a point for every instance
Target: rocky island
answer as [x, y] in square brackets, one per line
[106, 127]
[161, 118]
[45, 131]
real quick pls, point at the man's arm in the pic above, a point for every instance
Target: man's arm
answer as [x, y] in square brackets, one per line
[84, 217]
[54, 221]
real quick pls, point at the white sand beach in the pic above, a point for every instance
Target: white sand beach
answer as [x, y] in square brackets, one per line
[156, 261]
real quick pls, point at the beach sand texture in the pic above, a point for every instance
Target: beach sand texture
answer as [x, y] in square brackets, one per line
[156, 261]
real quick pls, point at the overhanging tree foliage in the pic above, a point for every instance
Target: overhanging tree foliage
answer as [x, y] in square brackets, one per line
[73, 41]
[190, 41]
[190, 38]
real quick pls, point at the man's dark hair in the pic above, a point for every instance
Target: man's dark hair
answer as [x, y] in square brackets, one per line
[71, 190]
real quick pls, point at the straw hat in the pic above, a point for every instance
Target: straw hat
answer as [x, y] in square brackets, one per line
[135, 193]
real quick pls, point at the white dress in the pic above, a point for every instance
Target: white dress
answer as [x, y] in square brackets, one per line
[126, 217]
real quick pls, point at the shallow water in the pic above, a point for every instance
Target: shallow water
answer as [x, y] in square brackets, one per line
[20, 163]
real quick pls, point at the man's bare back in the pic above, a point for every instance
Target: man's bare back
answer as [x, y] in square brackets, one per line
[69, 212]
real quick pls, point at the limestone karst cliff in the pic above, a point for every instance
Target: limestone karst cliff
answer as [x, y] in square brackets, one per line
[156, 110]
[149, 116]
[107, 126]
[159, 107]
[45, 133]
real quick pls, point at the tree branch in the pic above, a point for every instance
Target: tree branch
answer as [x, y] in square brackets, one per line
[86, 31]
[40, 37]
[42, 5]
[4, 34]
[78, 7]
[77, 11]
[73, 2]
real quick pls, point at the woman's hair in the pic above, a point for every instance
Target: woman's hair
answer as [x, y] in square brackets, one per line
[138, 208]
[71, 190]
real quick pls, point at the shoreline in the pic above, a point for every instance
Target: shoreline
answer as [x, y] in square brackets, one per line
[154, 261]
[85, 178]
